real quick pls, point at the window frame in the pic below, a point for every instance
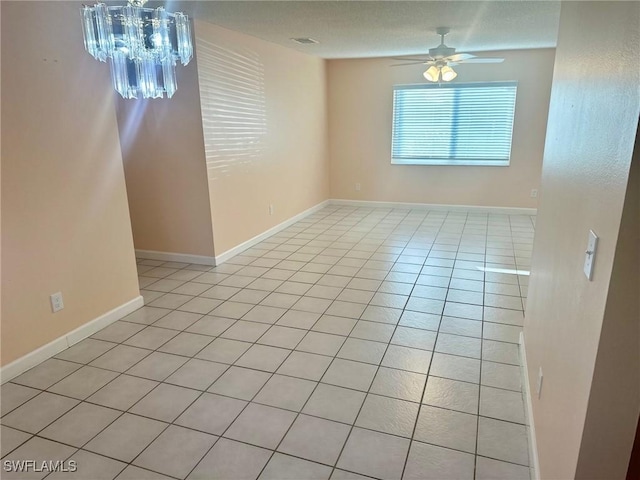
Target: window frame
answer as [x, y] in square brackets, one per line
[435, 161]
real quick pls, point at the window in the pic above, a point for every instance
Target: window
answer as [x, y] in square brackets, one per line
[453, 124]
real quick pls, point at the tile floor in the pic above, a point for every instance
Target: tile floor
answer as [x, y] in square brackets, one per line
[356, 343]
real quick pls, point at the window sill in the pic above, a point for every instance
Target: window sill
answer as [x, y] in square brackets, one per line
[451, 163]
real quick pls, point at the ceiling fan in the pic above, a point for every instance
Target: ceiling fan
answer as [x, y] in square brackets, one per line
[442, 58]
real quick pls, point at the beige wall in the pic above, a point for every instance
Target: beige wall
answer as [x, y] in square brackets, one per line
[360, 106]
[65, 222]
[264, 120]
[591, 131]
[614, 400]
[165, 170]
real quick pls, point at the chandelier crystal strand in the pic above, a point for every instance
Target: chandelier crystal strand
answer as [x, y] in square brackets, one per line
[142, 45]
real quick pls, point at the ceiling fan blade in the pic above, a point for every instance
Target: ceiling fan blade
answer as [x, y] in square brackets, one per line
[459, 56]
[410, 59]
[410, 63]
[483, 60]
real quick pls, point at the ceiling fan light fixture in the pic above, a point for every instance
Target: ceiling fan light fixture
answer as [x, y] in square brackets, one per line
[432, 73]
[448, 73]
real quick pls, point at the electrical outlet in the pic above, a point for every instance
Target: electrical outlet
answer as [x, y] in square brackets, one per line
[540, 376]
[270, 209]
[534, 193]
[56, 302]
[357, 187]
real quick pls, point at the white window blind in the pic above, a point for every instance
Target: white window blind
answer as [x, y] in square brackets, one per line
[453, 124]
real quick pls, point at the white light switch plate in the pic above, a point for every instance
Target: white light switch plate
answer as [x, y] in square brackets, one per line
[590, 254]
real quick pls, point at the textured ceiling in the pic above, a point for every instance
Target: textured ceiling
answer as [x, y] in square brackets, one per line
[354, 29]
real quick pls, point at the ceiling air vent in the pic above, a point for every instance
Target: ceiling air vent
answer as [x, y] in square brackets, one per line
[304, 40]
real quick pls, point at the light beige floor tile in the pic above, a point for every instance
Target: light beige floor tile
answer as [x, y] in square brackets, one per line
[335, 403]
[503, 441]
[414, 338]
[47, 373]
[231, 309]
[212, 326]
[165, 402]
[284, 467]
[245, 331]
[374, 331]
[425, 321]
[80, 424]
[11, 439]
[364, 351]
[123, 392]
[37, 413]
[349, 374]
[388, 315]
[285, 392]
[374, 454]
[157, 366]
[242, 383]
[455, 368]
[458, 345]
[170, 301]
[224, 350]
[502, 404]
[85, 351]
[197, 374]
[501, 376]
[321, 343]
[447, 428]
[211, 413]
[305, 365]
[461, 326]
[186, 344]
[298, 319]
[405, 358]
[501, 333]
[452, 394]
[315, 439]
[490, 469]
[341, 308]
[399, 384]
[229, 459]
[177, 320]
[388, 415]
[263, 357]
[13, 395]
[500, 352]
[264, 314]
[430, 462]
[125, 438]
[311, 304]
[136, 473]
[261, 426]
[151, 338]
[334, 325]
[176, 451]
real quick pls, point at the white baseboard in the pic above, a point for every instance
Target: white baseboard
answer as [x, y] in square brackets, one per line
[434, 206]
[175, 257]
[32, 359]
[223, 257]
[533, 446]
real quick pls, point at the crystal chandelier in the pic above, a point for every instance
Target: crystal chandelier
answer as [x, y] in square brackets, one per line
[142, 44]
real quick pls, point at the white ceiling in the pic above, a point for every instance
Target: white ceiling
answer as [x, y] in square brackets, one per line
[355, 29]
